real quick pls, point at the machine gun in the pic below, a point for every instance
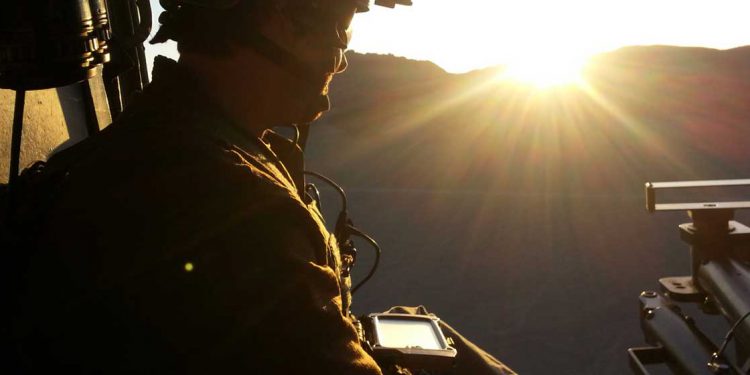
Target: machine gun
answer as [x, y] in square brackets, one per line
[719, 284]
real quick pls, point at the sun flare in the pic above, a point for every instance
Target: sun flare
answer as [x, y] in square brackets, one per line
[545, 72]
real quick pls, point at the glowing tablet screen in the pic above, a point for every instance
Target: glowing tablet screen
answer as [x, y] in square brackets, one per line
[393, 333]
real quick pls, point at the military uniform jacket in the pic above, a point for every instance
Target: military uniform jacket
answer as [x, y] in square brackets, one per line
[179, 244]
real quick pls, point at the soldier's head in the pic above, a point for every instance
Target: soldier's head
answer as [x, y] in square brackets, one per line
[296, 46]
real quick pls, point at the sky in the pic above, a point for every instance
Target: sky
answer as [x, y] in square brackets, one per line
[463, 35]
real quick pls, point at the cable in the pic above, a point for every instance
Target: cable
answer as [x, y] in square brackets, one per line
[350, 228]
[374, 244]
[313, 191]
[333, 184]
[297, 136]
[728, 338]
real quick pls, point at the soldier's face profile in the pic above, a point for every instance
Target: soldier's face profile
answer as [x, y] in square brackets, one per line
[322, 49]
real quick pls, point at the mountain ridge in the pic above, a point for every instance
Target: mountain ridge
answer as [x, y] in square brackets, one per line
[632, 93]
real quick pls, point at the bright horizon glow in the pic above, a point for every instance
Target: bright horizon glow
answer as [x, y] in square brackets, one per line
[472, 34]
[543, 72]
[530, 36]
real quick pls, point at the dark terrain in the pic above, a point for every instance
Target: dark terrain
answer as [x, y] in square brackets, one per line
[518, 215]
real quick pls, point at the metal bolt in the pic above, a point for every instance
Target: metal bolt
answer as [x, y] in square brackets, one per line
[649, 294]
[649, 313]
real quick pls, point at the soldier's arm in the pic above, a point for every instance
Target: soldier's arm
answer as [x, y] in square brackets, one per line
[298, 325]
[260, 296]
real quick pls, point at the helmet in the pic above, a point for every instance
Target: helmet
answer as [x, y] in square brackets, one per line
[391, 3]
[224, 23]
[362, 5]
[181, 16]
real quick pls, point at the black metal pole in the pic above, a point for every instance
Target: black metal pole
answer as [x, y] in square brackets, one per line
[15, 151]
[16, 137]
[143, 29]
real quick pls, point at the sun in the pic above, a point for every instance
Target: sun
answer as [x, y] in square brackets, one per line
[544, 72]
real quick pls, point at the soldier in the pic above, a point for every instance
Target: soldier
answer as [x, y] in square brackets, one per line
[180, 241]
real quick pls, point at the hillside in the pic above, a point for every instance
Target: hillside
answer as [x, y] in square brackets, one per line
[645, 114]
[517, 215]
